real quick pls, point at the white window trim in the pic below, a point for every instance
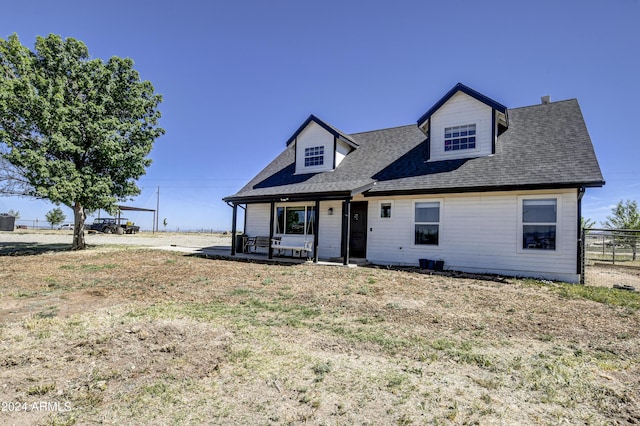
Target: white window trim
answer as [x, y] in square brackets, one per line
[460, 152]
[559, 242]
[475, 137]
[380, 203]
[435, 247]
[285, 206]
[320, 156]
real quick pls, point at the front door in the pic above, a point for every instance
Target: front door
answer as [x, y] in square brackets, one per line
[358, 227]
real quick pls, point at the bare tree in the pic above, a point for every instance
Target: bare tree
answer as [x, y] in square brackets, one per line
[12, 180]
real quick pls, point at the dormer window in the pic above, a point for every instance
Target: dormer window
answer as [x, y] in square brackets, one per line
[318, 147]
[460, 137]
[314, 156]
[463, 124]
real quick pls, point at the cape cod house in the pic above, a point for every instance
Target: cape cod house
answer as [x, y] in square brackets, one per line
[478, 186]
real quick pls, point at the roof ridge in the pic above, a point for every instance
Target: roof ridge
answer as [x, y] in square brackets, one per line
[380, 130]
[541, 104]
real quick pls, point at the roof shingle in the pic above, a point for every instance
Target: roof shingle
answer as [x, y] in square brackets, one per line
[545, 146]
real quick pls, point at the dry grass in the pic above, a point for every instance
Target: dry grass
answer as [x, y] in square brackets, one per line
[119, 336]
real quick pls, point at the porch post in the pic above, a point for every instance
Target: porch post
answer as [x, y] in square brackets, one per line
[316, 226]
[271, 217]
[581, 236]
[346, 223]
[233, 229]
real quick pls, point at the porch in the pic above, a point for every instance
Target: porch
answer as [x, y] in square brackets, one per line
[224, 252]
[330, 229]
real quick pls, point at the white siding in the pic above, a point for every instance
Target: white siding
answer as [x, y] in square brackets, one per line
[478, 233]
[461, 109]
[257, 219]
[330, 230]
[342, 149]
[314, 135]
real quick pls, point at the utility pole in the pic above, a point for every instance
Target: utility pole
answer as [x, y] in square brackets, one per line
[157, 208]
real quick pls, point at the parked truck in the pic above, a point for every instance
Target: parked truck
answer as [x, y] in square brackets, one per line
[110, 225]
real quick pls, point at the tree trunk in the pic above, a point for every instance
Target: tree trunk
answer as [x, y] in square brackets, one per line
[79, 217]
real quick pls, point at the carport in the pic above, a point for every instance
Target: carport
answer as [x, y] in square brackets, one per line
[139, 209]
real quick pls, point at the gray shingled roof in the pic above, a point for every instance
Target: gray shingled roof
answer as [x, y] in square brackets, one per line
[545, 146]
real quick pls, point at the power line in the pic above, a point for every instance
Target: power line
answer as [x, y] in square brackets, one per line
[190, 179]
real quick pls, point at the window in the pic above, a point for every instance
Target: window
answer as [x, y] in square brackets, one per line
[539, 218]
[314, 156]
[295, 220]
[385, 210]
[460, 137]
[427, 223]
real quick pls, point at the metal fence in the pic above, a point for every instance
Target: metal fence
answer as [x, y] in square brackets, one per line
[610, 257]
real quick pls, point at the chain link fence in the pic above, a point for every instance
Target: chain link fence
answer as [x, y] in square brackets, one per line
[610, 258]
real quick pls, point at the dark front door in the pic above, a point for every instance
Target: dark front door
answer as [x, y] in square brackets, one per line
[358, 227]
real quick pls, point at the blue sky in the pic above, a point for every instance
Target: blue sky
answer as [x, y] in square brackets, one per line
[239, 77]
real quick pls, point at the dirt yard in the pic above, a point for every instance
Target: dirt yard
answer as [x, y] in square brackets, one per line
[607, 275]
[127, 335]
[39, 241]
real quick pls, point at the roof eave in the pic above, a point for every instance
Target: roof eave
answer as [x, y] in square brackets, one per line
[486, 188]
[333, 195]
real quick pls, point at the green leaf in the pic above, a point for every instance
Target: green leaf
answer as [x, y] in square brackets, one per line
[77, 130]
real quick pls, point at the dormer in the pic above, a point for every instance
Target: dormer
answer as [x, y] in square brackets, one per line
[319, 147]
[463, 124]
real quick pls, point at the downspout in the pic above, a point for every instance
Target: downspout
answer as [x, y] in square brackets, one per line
[579, 263]
[238, 205]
